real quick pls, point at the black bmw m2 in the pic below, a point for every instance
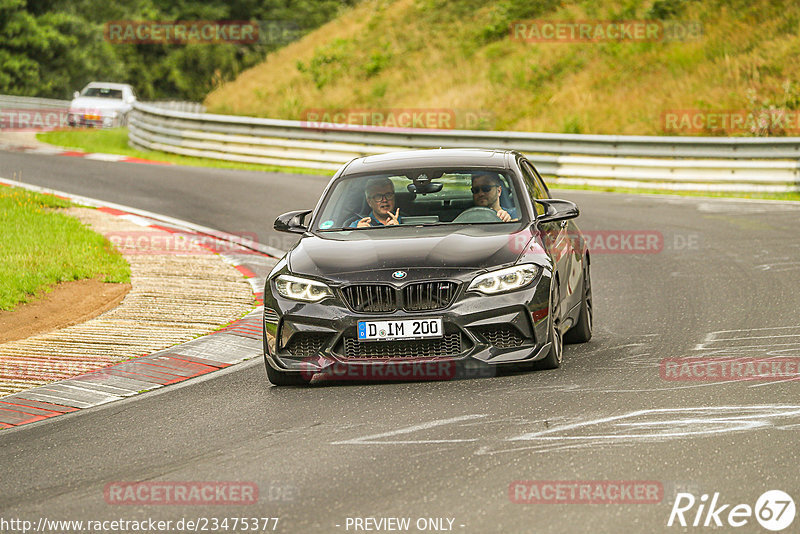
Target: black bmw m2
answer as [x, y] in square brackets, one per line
[428, 259]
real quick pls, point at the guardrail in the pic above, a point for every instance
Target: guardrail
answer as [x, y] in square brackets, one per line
[30, 102]
[690, 163]
[33, 102]
[179, 105]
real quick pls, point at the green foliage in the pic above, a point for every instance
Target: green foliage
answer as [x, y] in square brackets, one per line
[54, 47]
[378, 90]
[665, 9]
[377, 61]
[572, 125]
[502, 14]
[327, 62]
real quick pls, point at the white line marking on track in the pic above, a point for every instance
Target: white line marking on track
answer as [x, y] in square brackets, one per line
[667, 423]
[370, 440]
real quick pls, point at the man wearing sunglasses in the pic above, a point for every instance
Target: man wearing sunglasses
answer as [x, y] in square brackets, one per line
[486, 190]
[380, 197]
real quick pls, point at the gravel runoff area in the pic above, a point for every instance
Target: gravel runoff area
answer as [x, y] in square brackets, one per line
[178, 293]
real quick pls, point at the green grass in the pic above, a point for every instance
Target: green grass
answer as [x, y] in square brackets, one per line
[115, 141]
[40, 247]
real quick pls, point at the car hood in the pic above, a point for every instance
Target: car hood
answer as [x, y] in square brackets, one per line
[91, 103]
[368, 254]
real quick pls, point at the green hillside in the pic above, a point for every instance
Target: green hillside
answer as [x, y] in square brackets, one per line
[459, 56]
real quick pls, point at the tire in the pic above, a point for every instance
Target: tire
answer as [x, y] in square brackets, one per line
[282, 378]
[554, 357]
[582, 331]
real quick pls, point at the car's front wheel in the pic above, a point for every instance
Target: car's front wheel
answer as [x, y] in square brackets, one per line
[554, 357]
[582, 331]
[282, 378]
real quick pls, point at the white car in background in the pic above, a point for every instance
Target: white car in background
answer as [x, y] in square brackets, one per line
[100, 104]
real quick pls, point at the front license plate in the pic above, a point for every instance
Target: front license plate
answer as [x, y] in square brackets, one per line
[397, 330]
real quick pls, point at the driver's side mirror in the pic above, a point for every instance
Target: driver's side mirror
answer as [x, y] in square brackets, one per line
[556, 210]
[292, 221]
[76, 94]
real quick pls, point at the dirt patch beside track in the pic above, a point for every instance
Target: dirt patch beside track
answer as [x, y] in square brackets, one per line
[67, 304]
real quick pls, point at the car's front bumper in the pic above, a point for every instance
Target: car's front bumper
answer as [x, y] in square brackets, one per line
[76, 119]
[479, 330]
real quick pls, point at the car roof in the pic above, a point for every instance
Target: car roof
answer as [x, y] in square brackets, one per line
[109, 85]
[438, 157]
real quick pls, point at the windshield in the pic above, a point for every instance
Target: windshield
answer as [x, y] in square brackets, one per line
[102, 92]
[432, 197]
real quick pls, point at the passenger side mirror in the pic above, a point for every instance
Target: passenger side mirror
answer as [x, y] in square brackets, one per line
[556, 210]
[76, 94]
[292, 222]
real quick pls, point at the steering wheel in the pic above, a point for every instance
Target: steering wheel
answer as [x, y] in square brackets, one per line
[353, 217]
[477, 214]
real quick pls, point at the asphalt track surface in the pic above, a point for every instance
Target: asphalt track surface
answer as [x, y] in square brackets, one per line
[724, 284]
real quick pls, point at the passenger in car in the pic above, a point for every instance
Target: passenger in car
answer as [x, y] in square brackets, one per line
[380, 197]
[486, 191]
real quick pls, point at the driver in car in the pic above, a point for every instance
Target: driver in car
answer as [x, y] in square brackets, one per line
[380, 197]
[486, 189]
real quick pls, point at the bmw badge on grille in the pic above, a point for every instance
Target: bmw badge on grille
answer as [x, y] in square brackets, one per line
[399, 275]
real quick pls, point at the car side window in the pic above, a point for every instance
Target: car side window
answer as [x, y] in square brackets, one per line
[538, 178]
[535, 187]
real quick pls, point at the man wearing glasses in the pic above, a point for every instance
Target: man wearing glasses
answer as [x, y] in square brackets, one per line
[486, 190]
[380, 197]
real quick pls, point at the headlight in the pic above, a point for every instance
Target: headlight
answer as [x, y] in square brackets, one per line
[294, 288]
[504, 280]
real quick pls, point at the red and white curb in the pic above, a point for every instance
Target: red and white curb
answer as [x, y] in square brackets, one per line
[235, 343]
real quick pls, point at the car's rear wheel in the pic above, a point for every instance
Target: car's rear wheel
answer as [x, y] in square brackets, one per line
[553, 358]
[582, 331]
[282, 378]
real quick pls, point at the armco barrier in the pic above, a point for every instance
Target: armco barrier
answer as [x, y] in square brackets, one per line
[696, 163]
[30, 102]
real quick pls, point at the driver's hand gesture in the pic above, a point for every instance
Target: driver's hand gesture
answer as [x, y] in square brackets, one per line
[364, 223]
[394, 218]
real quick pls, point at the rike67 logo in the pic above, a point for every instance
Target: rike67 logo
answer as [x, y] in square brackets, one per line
[774, 510]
